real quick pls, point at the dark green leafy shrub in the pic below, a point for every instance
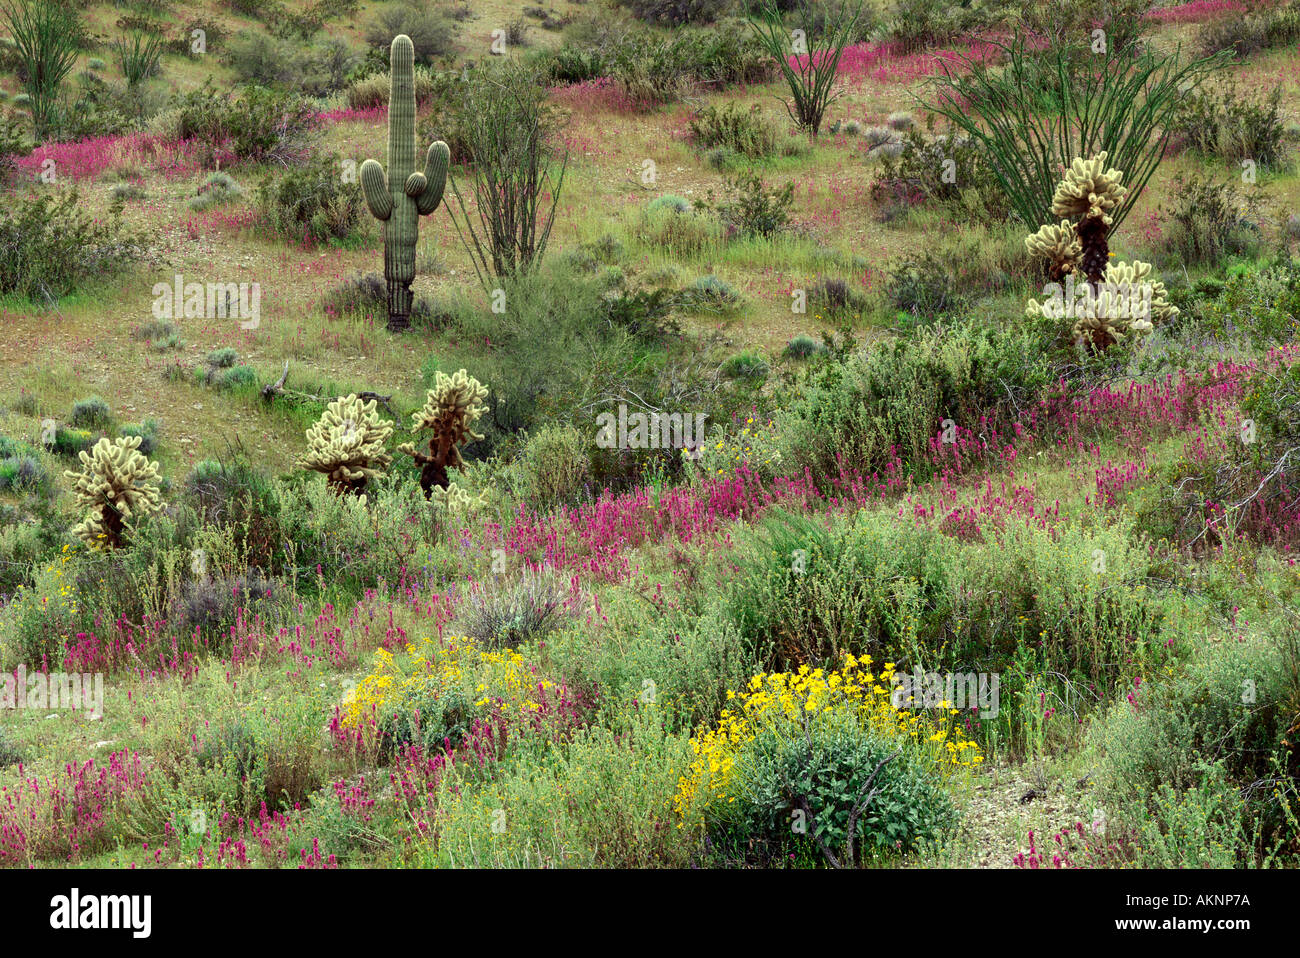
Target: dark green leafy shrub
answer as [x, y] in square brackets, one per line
[1208, 222]
[750, 208]
[257, 124]
[311, 202]
[49, 246]
[676, 13]
[742, 131]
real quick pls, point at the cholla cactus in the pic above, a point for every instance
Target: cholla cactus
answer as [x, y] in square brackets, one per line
[450, 409]
[456, 501]
[1059, 245]
[116, 483]
[1091, 192]
[347, 444]
[1126, 303]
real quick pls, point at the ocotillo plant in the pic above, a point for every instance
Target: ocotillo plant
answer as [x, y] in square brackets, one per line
[401, 196]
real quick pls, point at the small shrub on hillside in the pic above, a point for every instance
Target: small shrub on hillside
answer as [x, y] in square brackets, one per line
[802, 347]
[1209, 221]
[312, 202]
[49, 246]
[896, 395]
[91, 413]
[430, 31]
[1233, 127]
[553, 468]
[750, 207]
[731, 126]
[511, 614]
[148, 433]
[709, 294]
[945, 170]
[217, 189]
[676, 13]
[745, 365]
[257, 124]
[363, 294]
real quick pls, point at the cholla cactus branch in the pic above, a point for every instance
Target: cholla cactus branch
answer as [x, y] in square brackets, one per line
[450, 410]
[347, 444]
[1091, 192]
[1059, 245]
[116, 483]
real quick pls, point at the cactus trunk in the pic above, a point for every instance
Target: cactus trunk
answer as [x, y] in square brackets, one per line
[400, 195]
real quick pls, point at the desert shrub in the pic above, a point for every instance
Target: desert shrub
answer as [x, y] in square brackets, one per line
[1069, 22]
[651, 70]
[924, 287]
[1233, 127]
[256, 124]
[311, 202]
[920, 24]
[802, 347]
[645, 313]
[161, 334]
[21, 468]
[91, 413]
[430, 31]
[896, 395]
[512, 613]
[363, 294]
[13, 144]
[125, 192]
[148, 433]
[318, 70]
[553, 468]
[820, 769]
[49, 246]
[742, 131]
[1208, 222]
[70, 442]
[1230, 708]
[217, 189]
[748, 364]
[709, 294]
[223, 358]
[951, 171]
[235, 495]
[1246, 35]
[40, 618]
[210, 604]
[676, 13]
[751, 208]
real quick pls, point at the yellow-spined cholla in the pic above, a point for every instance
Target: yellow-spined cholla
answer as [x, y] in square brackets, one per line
[456, 501]
[347, 444]
[1059, 245]
[450, 410]
[116, 483]
[1112, 301]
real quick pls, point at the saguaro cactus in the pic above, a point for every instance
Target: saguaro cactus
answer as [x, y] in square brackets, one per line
[399, 198]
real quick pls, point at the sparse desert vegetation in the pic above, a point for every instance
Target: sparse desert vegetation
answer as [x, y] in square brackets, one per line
[650, 433]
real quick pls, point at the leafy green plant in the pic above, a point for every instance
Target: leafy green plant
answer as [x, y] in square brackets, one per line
[811, 78]
[45, 35]
[1040, 110]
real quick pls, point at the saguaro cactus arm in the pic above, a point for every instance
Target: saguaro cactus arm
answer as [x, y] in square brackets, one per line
[435, 172]
[374, 186]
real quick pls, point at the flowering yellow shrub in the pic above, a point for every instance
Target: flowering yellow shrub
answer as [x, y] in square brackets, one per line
[433, 670]
[755, 446]
[782, 699]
